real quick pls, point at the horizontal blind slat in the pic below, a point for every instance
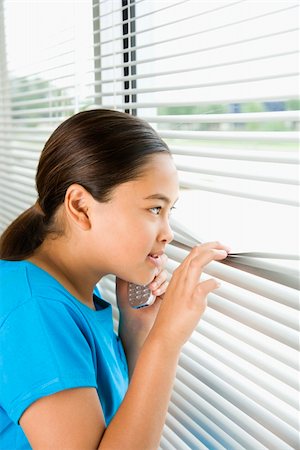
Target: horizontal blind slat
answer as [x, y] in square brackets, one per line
[246, 97]
[187, 70]
[247, 335]
[280, 157]
[196, 433]
[266, 383]
[275, 311]
[223, 82]
[206, 388]
[240, 436]
[266, 326]
[172, 436]
[217, 29]
[283, 375]
[284, 136]
[225, 117]
[243, 176]
[259, 403]
[279, 432]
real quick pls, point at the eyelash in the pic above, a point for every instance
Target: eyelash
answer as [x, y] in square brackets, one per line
[160, 208]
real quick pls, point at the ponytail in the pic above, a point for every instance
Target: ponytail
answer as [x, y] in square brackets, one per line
[24, 235]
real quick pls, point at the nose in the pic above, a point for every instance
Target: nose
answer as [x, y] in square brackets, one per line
[166, 234]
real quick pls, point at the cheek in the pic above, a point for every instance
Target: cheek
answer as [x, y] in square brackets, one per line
[136, 238]
[124, 233]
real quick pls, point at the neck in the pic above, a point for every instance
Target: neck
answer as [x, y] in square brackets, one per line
[62, 260]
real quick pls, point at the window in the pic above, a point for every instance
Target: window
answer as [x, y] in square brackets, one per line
[45, 77]
[219, 81]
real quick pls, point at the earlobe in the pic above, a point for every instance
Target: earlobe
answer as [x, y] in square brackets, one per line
[77, 206]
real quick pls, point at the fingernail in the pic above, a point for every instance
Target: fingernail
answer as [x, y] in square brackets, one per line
[154, 285]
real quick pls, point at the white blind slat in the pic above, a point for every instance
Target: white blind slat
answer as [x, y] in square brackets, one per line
[207, 390]
[268, 364]
[267, 392]
[280, 433]
[213, 118]
[279, 352]
[280, 157]
[241, 438]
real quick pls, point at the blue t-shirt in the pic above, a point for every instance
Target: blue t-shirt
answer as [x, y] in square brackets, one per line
[50, 341]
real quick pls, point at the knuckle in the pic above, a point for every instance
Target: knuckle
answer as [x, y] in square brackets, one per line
[196, 248]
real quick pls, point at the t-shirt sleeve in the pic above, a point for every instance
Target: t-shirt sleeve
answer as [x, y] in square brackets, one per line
[44, 350]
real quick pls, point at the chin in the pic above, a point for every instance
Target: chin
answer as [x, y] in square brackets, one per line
[144, 280]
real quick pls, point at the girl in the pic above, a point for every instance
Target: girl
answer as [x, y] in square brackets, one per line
[106, 185]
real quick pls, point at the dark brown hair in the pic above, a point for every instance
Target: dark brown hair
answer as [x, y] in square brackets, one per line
[98, 149]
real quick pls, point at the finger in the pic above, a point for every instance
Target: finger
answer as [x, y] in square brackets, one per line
[199, 249]
[205, 287]
[217, 245]
[161, 290]
[158, 280]
[198, 300]
[209, 255]
[194, 266]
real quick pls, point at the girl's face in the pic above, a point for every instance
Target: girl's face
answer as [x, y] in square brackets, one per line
[131, 231]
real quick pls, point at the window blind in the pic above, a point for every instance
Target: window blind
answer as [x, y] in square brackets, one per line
[45, 74]
[218, 80]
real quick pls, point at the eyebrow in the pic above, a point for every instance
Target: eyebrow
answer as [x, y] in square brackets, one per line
[160, 197]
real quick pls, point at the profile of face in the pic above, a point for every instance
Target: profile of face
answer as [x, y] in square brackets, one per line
[132, 230]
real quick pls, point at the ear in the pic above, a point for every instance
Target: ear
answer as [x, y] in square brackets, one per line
[77, 206]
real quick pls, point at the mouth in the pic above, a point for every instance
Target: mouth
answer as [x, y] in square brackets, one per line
[155, 258]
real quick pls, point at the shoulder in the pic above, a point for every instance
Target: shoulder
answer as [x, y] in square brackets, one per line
[14, 280]
[27, 290]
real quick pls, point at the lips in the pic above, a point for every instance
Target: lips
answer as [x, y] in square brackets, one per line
[155, 258]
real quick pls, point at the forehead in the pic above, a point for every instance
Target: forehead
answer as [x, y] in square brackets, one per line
[161, 163]
[159, 176]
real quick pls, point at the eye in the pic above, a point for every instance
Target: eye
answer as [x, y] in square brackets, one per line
[156, 210]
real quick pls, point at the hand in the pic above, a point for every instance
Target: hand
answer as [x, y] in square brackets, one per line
[159, 284]
[158, 287]
[143, 317]
[135, 324]
[185, 299]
